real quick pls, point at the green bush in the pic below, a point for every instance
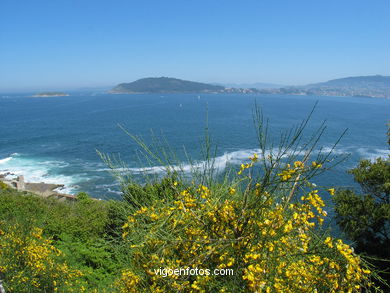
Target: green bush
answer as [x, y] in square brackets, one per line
[78, 234]
[30, 262]
[365, 218]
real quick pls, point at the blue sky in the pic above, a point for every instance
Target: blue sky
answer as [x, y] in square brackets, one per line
[59, 44]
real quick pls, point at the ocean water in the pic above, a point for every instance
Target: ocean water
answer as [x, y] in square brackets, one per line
[55, 140]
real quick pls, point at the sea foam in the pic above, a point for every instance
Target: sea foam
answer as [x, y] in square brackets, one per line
[36, 170]
[220, 163]
[2, 161]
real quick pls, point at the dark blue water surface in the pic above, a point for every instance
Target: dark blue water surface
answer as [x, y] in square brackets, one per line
[55, 139]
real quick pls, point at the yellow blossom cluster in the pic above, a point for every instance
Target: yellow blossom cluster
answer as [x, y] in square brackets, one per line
[289, 172]
[3, 186]
[316, 165]
[298, 167]
[254, 158]
[269, 240]
[244, 166]
[128, 282]
[31, 263]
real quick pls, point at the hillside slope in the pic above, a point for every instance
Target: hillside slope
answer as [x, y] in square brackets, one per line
[165, 85]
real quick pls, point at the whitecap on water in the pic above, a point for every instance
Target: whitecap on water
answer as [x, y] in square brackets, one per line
[2, 161]
[372, 154]
[36, 170]
[238, 157]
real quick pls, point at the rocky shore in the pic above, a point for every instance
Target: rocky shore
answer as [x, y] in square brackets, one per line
[41, 189]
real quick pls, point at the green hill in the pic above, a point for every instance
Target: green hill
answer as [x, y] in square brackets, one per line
[371, 81]
[165, 85]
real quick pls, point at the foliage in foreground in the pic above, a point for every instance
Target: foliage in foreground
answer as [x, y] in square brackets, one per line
[48, 246]
[264, 222]
[30, 262]
[270, 241]
[365, 218]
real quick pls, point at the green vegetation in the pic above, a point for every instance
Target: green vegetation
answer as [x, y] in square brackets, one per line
[165, 85]
[365, 218]
[263, 222]
[37, 227]
[373, 81]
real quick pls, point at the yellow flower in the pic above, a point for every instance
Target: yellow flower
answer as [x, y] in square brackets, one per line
[328, 242]
[153, 216]
[232, 190]
[299, 165]
[243, 167]
[286, 174]
[316, 165]
[254, 158]
[331, 191]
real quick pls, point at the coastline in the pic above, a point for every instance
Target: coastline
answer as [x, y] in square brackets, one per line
[46, 190]
[50, 96]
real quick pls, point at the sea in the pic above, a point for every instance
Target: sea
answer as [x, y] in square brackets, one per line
[58, 139]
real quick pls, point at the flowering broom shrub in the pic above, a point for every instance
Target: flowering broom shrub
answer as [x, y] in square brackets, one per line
[30, 263]
[267, 229]
[261, 223]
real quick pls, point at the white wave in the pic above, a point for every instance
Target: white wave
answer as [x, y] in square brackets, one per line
[2, 161]
[241, 156]
[147, 170]
[220, 163]
[114, 191]
[37, 171]
[335, 151]
[5, 160]
[372, 154]
[107, 185]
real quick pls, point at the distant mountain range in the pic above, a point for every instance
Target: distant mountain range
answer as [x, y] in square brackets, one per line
[371, 81]
[359, 86]
[363, 86]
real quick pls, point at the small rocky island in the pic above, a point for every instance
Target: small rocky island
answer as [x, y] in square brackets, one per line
[50, 94]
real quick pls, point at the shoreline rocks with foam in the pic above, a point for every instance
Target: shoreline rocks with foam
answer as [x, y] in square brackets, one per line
[42, 189]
